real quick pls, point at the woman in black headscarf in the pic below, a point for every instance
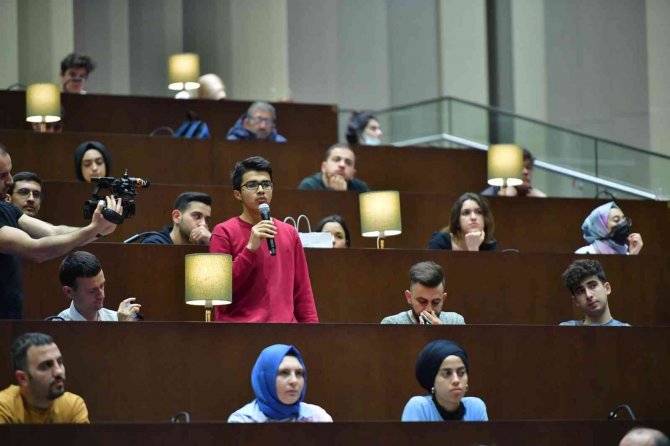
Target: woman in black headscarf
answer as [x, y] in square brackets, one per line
[442, 369]
[91, 159]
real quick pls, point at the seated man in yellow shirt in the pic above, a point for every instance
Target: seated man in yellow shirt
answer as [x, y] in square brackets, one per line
[40, 395]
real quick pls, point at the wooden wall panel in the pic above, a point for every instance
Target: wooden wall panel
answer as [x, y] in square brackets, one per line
[547, 225]
[364, 285]
[148, 371]
[178, 161]
[141, 115]
[546, 433]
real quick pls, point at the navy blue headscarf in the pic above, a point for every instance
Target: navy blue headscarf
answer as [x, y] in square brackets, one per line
[430, 359]
[264, 382]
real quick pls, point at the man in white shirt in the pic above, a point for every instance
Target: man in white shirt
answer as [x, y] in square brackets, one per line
[83, 282]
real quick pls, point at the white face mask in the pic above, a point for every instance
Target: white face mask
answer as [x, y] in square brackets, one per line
[370, 140]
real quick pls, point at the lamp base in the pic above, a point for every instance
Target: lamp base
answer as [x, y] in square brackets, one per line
[208, 311]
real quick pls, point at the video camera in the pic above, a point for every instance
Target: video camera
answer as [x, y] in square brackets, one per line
[123, 188]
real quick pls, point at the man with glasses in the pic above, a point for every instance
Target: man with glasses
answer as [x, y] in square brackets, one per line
[257, 123]
[25, 237]
[26, 193]
[266, 287]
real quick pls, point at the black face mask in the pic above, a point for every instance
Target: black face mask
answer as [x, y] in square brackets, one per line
[620, 232]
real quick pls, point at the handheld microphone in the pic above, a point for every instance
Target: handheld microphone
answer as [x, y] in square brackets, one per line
[264, 209]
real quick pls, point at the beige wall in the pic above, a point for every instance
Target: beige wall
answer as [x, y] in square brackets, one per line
[46, 35]
[9, 43]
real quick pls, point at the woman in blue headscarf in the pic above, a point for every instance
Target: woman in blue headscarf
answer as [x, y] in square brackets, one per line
[279, 380]
[607, 230]
[442, 369]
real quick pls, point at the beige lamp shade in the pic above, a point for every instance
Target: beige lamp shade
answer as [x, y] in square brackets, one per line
[209, 279]
[43, 103]
[505, 165]
[380, 213]
[184, 71]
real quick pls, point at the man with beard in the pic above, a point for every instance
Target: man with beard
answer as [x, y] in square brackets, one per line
[190, 222]
[40, 395]
[337, 172]
[590, 289]
[26, 193]
[426, 297]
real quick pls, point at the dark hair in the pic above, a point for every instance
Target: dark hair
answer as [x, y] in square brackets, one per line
[78, 264]
[339, 145]
[257, 163]
[263, 106]
[580, 270]
[428, 274]
[336, 218]
[184, 200]
[455, 222]
[79, 155]
[528, 156]
[357, 123]
[21, 345]
[24, 176]
[75, 60]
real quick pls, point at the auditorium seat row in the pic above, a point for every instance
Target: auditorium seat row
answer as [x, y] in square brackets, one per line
[149, 371]
[528, 225]
[142, 115]
[365, 285]
[179, 161]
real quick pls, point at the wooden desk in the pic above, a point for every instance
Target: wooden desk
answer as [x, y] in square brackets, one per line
[547, 225]
[546, 433]
[181, 161]
[149, 371]
[365, 285]
[144, 114]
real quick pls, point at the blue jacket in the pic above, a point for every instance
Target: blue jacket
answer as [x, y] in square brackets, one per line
[238, 132]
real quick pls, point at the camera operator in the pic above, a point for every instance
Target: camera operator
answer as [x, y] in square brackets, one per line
[25, 237]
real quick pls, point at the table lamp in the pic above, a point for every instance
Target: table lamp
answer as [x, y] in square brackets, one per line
[505, 165]
[208, 280]
[380, 215]
[184, 71]
[43, 104]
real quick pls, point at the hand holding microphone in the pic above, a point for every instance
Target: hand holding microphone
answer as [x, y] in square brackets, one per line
[264, 229]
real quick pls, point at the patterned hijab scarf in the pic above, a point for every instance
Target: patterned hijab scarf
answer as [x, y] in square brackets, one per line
[596, 232]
